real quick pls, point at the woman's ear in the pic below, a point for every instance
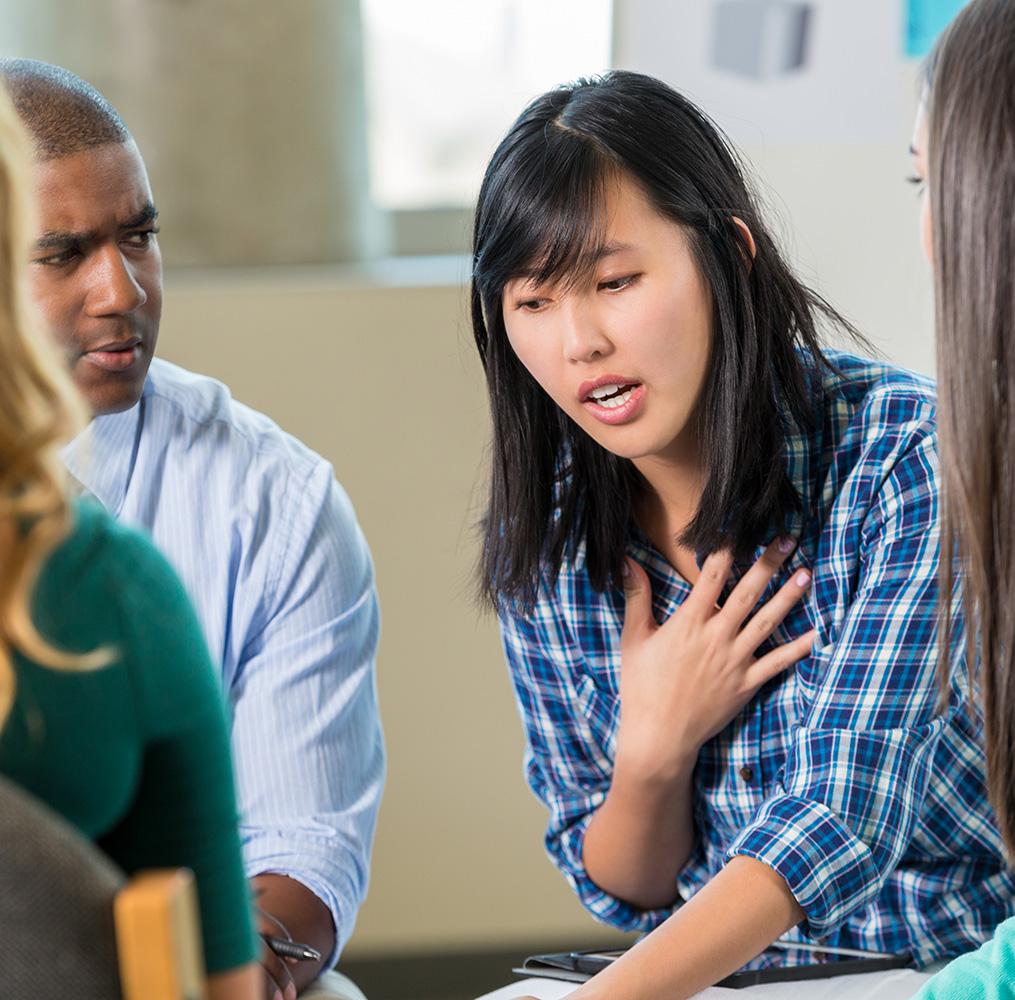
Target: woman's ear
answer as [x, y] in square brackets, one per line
[746, 236]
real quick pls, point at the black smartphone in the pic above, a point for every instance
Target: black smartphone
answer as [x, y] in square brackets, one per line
[782, 962]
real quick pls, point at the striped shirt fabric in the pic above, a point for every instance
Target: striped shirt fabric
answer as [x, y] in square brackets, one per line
[267, 545]
[840, 774]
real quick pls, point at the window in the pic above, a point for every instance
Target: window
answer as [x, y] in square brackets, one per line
[444, 80]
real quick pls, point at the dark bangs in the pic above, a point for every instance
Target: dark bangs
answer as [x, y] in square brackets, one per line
[541, 216]
[550, 221]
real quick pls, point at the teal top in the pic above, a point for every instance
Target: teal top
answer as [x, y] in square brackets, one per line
[136, 753]
[985, 974]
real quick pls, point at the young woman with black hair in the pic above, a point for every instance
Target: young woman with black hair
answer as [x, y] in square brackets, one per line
[964, 159]
[713, 547]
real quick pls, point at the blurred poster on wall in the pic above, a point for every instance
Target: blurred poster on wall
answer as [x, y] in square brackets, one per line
[778, 71]
[925, 20]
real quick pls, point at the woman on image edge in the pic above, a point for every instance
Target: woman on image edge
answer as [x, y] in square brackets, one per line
[964, 158]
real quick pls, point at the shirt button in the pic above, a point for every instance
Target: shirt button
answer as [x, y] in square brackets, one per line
[747, 773]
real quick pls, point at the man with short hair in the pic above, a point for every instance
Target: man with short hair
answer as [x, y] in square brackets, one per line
[263, 537]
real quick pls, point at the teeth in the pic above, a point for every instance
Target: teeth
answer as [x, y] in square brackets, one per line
[611, 396]
[612, 404]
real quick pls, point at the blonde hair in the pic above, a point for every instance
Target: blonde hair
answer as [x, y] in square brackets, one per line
[39, 410]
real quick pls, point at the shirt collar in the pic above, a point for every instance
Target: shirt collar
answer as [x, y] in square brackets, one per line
[803, 460]
[101, 458]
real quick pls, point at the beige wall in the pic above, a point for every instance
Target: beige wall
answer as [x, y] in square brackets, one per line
[383, 382]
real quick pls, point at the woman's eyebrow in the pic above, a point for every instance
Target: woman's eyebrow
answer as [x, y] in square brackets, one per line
[610, 249]
[582, 263]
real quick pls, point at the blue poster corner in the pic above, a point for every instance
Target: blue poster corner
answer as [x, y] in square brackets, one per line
[925, 20]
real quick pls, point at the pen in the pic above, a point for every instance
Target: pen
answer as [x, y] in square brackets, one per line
[292, 949]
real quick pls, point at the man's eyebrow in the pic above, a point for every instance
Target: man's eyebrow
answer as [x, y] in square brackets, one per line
[149, 213]
[55, 240]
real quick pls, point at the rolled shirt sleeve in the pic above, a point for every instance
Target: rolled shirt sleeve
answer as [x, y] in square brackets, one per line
[566, 764]
[860, 759]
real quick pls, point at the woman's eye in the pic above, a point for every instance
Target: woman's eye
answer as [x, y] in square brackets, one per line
[530, 305]
[918, 182]
[616, 284]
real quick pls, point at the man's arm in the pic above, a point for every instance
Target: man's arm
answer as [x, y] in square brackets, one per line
[306, 738]
[306, 919]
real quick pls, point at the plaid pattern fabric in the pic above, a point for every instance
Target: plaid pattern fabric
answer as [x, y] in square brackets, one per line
[840, 774]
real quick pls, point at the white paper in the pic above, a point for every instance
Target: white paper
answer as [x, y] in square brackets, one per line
[898, 985]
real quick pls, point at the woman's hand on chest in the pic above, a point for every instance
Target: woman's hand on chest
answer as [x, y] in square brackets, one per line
[681, 682]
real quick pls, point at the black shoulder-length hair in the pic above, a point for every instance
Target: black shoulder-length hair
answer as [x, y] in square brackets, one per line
[553, 489]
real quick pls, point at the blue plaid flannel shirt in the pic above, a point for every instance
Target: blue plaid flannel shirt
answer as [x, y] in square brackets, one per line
[840, 774]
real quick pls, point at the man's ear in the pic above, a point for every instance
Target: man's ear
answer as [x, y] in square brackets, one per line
[746, 236]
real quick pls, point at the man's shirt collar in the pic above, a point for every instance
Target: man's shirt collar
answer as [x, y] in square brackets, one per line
[101, 458]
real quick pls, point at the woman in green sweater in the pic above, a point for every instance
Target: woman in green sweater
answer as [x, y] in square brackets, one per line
[109, 707]
[964, 159]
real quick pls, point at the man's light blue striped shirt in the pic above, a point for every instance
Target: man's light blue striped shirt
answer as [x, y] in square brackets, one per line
[268, 547]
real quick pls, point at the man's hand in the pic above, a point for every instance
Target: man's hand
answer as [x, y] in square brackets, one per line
[681, 682]
[278, 980]
[285, 901]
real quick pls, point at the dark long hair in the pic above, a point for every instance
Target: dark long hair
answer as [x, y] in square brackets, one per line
[540, 212]
[970, 101]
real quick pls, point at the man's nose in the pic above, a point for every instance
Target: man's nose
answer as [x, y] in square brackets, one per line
[114, 288]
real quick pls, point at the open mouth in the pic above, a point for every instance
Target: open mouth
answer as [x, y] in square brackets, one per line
[611, 396]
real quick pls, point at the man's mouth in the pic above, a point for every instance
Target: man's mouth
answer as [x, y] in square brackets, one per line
[115, 356]
[115, 346]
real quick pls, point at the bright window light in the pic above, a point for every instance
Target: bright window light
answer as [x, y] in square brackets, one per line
[446, 78]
